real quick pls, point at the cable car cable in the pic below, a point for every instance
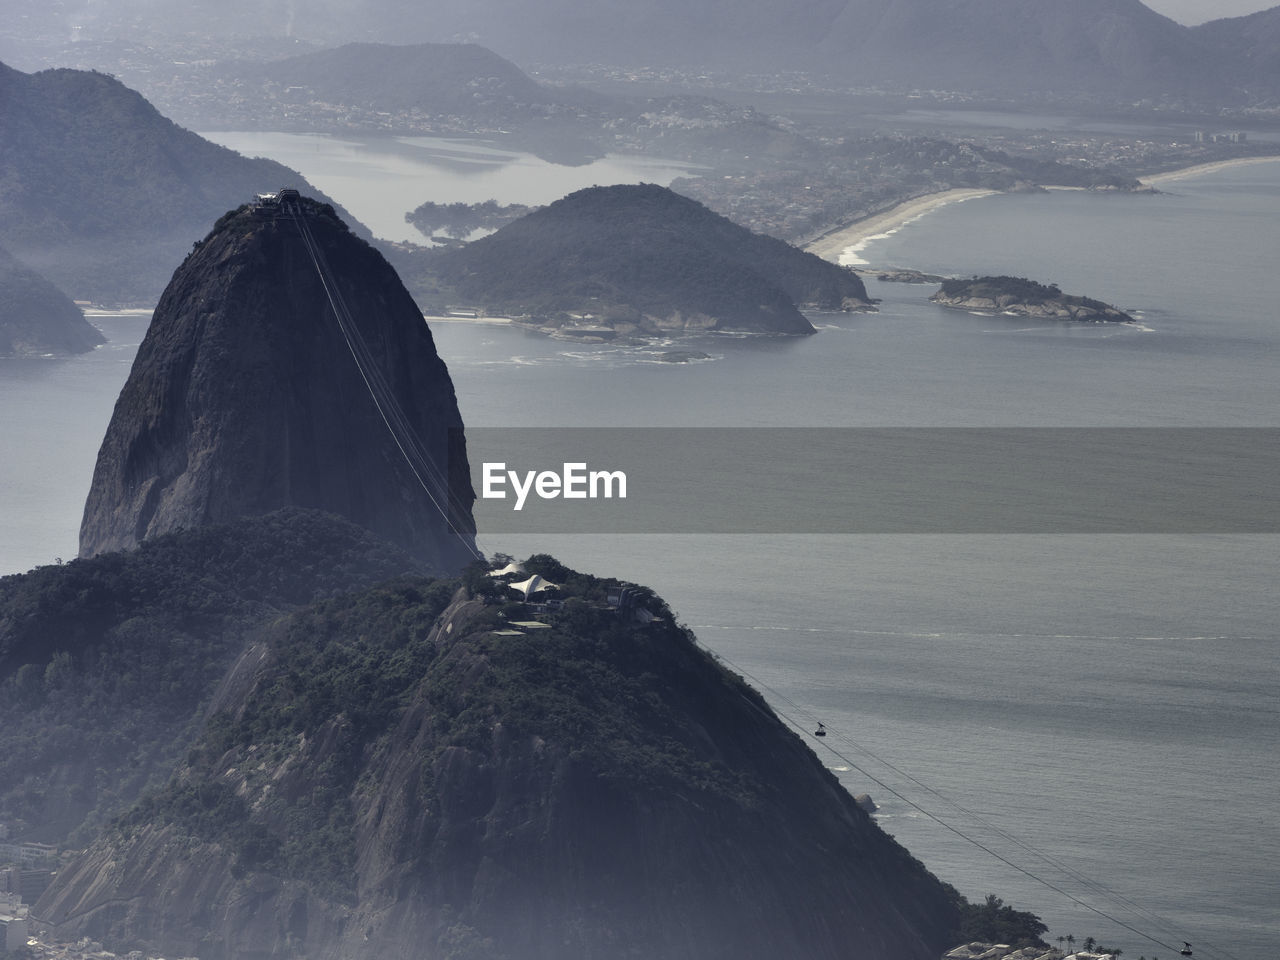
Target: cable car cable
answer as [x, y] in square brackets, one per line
[803, 727]
[351, 336]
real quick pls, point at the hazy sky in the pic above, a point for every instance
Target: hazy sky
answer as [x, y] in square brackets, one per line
[1198, 11]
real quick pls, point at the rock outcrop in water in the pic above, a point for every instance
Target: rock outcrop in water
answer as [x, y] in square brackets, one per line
[246, 396]
[1025, 298]
[402, 773]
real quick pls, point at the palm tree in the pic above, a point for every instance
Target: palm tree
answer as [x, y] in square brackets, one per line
[1061, 941]
[1071, 942]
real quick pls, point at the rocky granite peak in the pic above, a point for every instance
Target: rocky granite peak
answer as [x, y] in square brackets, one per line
[249, 394]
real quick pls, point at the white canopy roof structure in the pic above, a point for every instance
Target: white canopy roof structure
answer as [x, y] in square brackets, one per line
[515, 566]
[533, 585]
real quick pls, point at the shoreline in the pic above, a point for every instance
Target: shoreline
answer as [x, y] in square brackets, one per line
[1182, 173]
[452, 318]
[843, 245]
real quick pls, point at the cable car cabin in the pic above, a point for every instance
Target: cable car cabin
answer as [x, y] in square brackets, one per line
[272, 204]
[821, 731]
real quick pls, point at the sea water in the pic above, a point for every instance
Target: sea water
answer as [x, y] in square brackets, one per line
[1082, 725]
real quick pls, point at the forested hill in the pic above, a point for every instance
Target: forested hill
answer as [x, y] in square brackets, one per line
[423, 769]
[643, 259]
[102, 194]
[1249, 47]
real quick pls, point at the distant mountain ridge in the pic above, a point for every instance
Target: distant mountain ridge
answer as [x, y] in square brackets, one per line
[1250, 48]
[429, 77]
[1098, 48]
[1114, 47]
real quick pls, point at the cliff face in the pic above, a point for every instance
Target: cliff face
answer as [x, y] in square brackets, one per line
[246, 396]
[597, 788]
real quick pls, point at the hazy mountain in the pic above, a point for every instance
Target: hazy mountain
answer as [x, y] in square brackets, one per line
[1110, 48]
[1250, 49]
[102, 194]
[36, 318]
[645, 259]
[432, 78]
[244, 396]
[1115, 47]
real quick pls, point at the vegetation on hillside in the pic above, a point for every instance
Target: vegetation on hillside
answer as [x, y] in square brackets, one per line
[280, 780]
[107, 663]
[994, 921]
[613, 691]
[623, 253]
[424, 677]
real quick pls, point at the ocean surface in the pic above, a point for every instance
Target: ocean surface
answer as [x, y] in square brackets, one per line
[1085, 725]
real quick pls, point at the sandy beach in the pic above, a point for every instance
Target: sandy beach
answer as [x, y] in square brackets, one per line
[841, 246]
[1156, 179]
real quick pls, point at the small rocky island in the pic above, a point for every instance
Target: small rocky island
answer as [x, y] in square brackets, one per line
[1025, 298]
[244, 397]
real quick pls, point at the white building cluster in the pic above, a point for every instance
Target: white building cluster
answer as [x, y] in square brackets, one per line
[13, 922]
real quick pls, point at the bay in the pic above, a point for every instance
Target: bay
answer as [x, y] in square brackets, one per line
[1097, 711]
